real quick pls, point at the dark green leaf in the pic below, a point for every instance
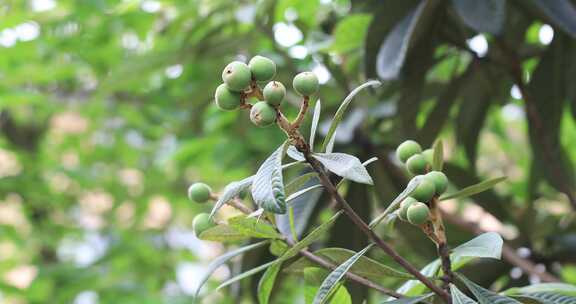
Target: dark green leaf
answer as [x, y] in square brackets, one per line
[485, 296]
[561, 12]
[483, 16]
[549, 298]
[266, 283]
[313, 277]
[559, 288]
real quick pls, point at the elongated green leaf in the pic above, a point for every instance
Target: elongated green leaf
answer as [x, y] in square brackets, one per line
[438, 159]
[486, 245]
[483, 16]
[548, 298]
[459, 297]
[561, 12]
[342, 109]
[474, 189]
[310, 238]
[350, 32]
[295, 154]
[301, 209]
[267, 283]
[297, 194]
[268, 185]
[485, 296]
[219, 261]
[231, 191]
[393, 50]
[315, 121]
[313, 277]
[297, 183]
[396, 202]
[331, 281]
[222, 233]
[409, 300]
[245, 274]
[345, 165]
[252, 227]
[559, 288]
[364, 267]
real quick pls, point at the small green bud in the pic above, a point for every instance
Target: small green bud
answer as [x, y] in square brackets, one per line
[237, 76]
[407, 149]
[429, 156]
[407, 202]
[416, 164]
[262, 68]
[305, 83]
[199, 192]
[418, 213]
[439, 179]
[274, 93]
[225, 99]
[201, 223]
[425, 189]
[262, 114]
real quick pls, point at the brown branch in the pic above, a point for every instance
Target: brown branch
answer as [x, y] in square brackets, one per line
[353, 277]
[508, 253]
[325, 181]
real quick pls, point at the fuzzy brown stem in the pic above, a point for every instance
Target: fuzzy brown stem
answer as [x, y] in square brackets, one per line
[302, 114]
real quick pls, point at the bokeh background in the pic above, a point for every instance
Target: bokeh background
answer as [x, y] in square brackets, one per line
[107, 115]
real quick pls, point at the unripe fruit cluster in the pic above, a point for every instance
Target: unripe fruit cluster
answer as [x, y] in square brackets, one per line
[240, 80]
[414, 208]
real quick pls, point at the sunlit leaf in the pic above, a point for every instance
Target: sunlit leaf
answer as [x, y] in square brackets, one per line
[346, 166]
[253, 228]
[268, 185]
[222, 233]
[474, 189]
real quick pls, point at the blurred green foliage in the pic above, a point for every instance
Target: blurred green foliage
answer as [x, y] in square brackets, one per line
[106, 116]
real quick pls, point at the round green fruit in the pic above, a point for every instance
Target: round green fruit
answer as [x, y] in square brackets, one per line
[428, 155]
[416, 164]
[305, 83]
[226, 99]
[274, 93]
[407, 149]
[425, 189]
[201, 223]
[262, 68]
[262, 114]
[418, 213]
[439, 179]
[199, 192]
[407, 202]
[237, 76]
